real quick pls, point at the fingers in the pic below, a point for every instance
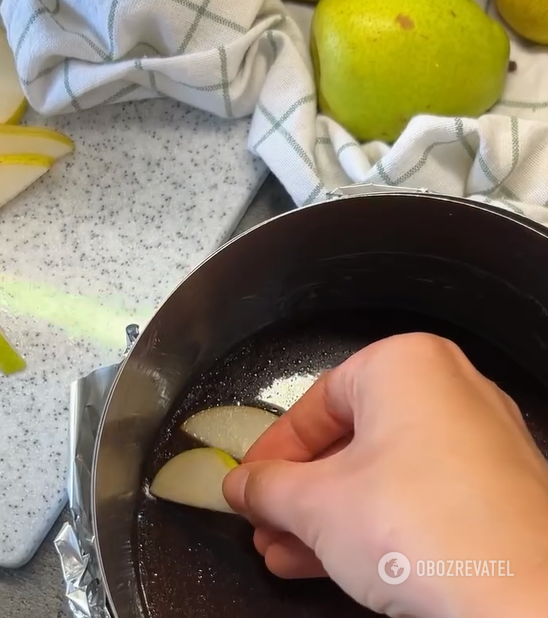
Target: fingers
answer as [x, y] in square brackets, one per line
[309, 427]
[283, 495]
[286, 556]
[264, 537]
[336, 447]
[291, 559]
[334, 406]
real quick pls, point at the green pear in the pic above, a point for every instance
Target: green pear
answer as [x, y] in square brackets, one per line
[378, 63]
[527, 17]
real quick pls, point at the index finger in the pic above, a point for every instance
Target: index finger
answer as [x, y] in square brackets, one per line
[309, 427]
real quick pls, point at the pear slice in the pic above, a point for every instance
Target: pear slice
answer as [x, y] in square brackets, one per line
[16, 140]
[233, 429]
[10, 360]
[17, 172]
[12, 100]
[195, 478]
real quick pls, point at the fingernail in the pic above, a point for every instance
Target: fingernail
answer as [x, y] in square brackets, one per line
[234, 488]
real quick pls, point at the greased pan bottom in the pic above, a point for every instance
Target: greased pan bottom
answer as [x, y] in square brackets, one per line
[196, 564]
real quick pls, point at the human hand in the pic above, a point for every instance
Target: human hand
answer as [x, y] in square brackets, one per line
[404, 447]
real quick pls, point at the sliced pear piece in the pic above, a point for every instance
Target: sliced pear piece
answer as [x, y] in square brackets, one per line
[233, 429]
[17, 172]
[195, 478]
[10, 360]
[12, 100]
[15, 140]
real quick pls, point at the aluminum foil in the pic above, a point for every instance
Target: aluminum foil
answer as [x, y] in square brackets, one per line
[84, 589]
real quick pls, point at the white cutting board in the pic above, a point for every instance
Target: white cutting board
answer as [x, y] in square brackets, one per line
[98, 243]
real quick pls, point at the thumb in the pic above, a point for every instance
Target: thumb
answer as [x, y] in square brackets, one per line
[280, 494]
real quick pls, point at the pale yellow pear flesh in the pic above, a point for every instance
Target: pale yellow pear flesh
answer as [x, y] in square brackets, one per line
[529, 18]
[36, 140]
[26, 153]
[12, 100]
[379, 63]
[233, 429]
[18, 172]
[195, 478]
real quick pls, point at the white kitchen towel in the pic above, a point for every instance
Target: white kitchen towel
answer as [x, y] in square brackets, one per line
[240, 57]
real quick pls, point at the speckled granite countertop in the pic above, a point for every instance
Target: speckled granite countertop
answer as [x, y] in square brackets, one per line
[152, 188]
[37, 588]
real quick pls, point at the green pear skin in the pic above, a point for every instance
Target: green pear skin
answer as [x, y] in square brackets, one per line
[379, 63]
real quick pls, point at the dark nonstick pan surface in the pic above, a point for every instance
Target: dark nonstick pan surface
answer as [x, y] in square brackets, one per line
[193, 563]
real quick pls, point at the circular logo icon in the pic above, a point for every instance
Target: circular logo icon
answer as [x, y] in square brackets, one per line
[394, 568]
